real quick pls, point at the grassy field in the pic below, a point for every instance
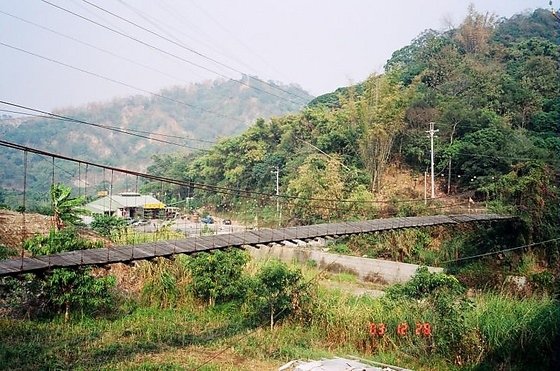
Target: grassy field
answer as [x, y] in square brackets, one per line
[489, 331]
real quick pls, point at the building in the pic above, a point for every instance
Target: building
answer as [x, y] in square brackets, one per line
[128, 205]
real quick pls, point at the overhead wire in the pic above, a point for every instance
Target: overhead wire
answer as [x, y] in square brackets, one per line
[115, 81]
[111, 128]
[202, 55]
[164, 51]
[95, 47]
[48, 115]
[160, 26]
[106, 51]
[501, 251]
[240, 41]
[197, 185]
[127, 129]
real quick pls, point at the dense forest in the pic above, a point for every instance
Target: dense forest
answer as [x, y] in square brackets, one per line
[492, 88]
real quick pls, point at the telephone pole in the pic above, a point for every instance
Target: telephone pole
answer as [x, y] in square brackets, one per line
[431, 132]
[277, 171]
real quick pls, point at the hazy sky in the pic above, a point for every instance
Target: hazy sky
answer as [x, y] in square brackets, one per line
[318, 44]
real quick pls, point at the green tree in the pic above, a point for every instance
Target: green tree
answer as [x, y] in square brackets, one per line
[107, 225]
[279, 291]
[319, 187]
[66, 209]
[530, 187]
[382, 113]
[69, 288]
[218, 276]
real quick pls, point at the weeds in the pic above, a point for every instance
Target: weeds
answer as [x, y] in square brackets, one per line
[492, 331]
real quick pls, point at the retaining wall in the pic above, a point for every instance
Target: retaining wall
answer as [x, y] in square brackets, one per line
[367, 269]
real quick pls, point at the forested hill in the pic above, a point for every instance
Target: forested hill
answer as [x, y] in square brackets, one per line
[209, 110]
[490, 85]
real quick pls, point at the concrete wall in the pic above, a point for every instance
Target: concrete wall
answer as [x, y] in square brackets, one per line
[373, 270]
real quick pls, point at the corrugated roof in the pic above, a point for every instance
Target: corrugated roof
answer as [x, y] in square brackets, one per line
[115, 202]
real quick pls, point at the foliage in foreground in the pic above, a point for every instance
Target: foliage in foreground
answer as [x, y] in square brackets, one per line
[218, 276]
[60, 289]
[279, 292]
[108, 225]
[492, 332]
[66, 210]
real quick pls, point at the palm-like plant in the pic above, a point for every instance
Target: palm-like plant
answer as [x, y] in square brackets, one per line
[66, 209]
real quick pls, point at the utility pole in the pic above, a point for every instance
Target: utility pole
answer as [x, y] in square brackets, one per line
[425, 188]
[432, 132]
[277, 171]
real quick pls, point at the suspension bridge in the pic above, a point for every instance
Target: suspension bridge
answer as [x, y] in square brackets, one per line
[256, 238]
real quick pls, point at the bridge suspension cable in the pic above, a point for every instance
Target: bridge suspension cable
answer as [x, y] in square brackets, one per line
[201, 186]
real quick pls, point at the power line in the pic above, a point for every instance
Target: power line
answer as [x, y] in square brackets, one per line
[196, 185]
[501, 251]
[192, 50]
[163, 51]
[241, 42]
[93, 46]
[119, 82]
[111, 128]
[154, 22]
[50, 116]
[129, 60]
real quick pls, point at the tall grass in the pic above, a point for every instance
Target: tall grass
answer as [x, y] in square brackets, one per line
[166, 282]
[516, 331]
[133, 237]
[168, 327]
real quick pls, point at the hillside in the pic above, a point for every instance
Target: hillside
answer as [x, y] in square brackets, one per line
[207, 111]
[491, 87]
[204, 112]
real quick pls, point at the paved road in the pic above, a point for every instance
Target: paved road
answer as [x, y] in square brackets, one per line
[189, 228]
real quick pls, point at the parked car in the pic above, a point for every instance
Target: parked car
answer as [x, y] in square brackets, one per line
[140, 222]
[207, 220]
[227, 221]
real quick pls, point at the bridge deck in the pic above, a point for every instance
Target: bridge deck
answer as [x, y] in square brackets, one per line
[128, 253]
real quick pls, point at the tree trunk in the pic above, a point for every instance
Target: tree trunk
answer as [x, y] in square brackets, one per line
[271, 317]
[66, 312]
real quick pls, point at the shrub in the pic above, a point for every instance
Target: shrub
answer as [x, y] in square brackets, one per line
[165, 281]
[341, 248]
[424, 284]
[7, 252]
[278, 292]
[218, 276]
[444, 296]
[542, 282]
[108, 225]
[518, 333]
[62, 289]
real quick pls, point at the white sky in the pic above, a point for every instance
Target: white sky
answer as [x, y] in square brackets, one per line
[318, 44]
